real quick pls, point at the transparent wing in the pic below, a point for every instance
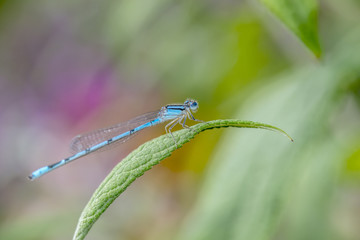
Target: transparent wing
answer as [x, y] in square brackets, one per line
[86, 140]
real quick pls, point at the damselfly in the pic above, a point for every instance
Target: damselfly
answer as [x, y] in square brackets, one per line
[87, 143]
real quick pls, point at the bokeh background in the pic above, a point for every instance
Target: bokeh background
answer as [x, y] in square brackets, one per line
[68, 67]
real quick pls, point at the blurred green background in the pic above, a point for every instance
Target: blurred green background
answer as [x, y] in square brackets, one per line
[68, 67]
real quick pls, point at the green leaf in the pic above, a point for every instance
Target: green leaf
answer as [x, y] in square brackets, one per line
[142, 159]
[300, 16]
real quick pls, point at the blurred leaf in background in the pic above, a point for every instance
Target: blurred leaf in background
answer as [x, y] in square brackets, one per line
[301, 17]
[270, 189]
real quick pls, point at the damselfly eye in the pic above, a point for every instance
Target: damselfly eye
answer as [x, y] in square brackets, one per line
[194, 106]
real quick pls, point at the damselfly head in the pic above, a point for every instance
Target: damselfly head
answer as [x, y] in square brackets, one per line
[192, 104]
